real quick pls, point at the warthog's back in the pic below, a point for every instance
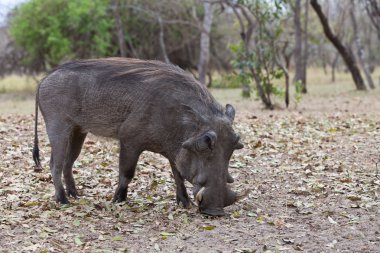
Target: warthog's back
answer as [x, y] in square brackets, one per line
[105, 95]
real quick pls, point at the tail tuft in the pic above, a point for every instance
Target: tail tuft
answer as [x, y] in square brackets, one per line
[36, 155]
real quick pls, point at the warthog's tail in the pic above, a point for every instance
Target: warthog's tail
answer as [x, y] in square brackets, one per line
[36, 150]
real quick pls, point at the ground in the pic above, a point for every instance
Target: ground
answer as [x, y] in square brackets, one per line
[312, 171]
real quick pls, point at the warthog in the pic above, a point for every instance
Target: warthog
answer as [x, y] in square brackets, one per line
[146, 105]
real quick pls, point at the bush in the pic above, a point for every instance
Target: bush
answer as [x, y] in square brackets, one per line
[54, 31]
[227, 81]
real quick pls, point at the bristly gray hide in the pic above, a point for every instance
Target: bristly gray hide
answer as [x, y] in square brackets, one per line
[146, 105]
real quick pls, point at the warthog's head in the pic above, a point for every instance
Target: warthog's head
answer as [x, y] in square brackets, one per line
[204, 159]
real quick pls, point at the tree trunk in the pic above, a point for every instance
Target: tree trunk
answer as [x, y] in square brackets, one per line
[246, 34]
[373, 10]
[119, 28]
[205, 42]
[286, 88]
[359, 48]
[162, 41]
[305, 47]
[346, 54]
[322, 56]
[286, 73]
[266, 99]
[298, 52]
[285, 70]
[333, 67]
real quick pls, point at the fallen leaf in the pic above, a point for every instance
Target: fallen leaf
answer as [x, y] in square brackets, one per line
[167, 234]
[78, 241]
[117, 238]
[76, 223]
[331, 220]
[207, 227]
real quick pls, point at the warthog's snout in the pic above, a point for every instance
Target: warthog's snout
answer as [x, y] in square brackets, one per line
[210, 207]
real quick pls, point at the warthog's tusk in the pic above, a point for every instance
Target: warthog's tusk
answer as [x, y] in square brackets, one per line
[241, 195]
[199, 196]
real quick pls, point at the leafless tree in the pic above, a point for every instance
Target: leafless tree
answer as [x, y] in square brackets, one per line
[119, 28]
[298, 46]
[284, 66]
[345, 52]
[334, 64]
[204, 52]
[359, 47]
[284, 55]
[305, 47]
[373, 10]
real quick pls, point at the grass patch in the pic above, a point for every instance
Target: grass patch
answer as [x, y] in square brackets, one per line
[319, 83]
[18, 84]
[16, 104]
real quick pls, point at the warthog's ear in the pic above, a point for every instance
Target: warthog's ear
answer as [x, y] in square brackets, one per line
[230, 112]
[201, 143]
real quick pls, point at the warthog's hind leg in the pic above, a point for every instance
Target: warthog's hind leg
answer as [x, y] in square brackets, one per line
[59, 136]
[75, 145]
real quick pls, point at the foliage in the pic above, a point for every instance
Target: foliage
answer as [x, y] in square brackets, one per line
[53, 31]
[85, 29]
[255, 58]
[229, 81]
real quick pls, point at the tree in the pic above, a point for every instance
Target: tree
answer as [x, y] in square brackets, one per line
[334, 64]
[170, 30]
[300, 43]
[359, 47]
[154, 16]
[80, 29]
[256, 55]
[373, 10]
[119, 28]
[10, 57]
[284, 53]
[346, 54]
[284, 67]
[204, 52]
[144, 29]
[299, 75]
[305, 47]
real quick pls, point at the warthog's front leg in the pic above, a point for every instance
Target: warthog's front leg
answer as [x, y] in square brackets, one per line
[181, 192]
[127, 166]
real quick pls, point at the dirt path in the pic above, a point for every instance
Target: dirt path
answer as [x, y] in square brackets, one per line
[312, 173]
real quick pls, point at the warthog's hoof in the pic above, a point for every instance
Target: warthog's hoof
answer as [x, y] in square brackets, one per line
[186, 202]
[120, 195]
[213, 212]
